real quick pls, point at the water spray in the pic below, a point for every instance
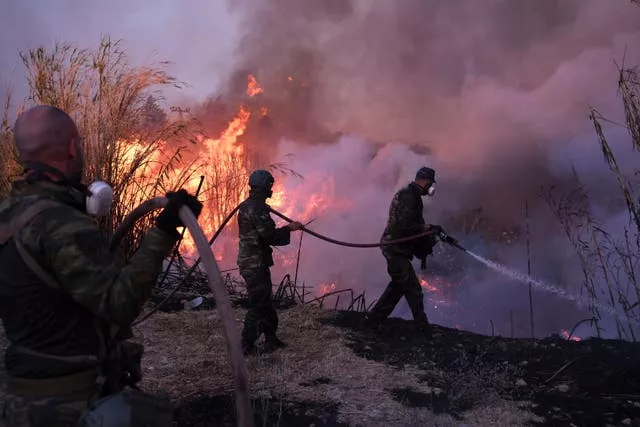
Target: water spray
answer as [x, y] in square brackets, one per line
[528, 280]
[539, 284]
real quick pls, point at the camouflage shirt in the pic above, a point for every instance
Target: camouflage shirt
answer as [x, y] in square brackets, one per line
[405, 219]
[258, 233]
[95, 283]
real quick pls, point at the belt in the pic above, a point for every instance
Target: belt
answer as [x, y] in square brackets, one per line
[80, 386]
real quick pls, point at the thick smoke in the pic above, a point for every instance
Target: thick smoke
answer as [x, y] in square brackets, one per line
[498, 93]
[489, 87]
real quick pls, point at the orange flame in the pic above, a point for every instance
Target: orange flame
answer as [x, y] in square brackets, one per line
[565, 334]
[426, 285]
[225, 163]
[253, 87]
[325, 288]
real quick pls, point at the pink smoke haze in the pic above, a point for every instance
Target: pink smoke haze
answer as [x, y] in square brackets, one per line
[494, 94]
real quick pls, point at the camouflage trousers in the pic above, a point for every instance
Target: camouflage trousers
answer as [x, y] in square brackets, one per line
[130, 408]
[404, 283]
[20, 411]
[262, 316]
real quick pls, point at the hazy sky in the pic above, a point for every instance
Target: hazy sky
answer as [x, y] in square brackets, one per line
[198, 36]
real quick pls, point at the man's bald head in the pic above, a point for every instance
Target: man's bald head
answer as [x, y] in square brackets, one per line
[48, 135]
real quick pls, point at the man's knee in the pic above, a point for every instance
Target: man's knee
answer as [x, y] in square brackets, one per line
[258, 289]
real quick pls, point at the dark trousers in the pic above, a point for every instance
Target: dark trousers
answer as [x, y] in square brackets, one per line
[404, 283]
[262, 316]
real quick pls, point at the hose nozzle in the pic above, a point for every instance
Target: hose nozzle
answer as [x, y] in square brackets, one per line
[450, 240]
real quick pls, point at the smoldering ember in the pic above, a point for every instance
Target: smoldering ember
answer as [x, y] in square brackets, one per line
[529, 116]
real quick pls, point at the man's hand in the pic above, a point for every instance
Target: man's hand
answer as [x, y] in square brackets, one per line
[295, 225]
[433, 228]
[169, 218]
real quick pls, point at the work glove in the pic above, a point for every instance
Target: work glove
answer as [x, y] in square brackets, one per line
[169, 219]
[436, 229]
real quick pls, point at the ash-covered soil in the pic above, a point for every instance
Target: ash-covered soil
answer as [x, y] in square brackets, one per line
[588, 383]
[334, 372]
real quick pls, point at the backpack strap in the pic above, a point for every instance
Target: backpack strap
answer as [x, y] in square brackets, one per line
[11, 231]
[16, 225]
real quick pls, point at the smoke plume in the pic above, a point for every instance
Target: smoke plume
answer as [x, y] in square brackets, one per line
[496, 93]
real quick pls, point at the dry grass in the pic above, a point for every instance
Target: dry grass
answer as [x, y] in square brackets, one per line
[8, 156]
[193, 362]
[610, 264]
[123, 129]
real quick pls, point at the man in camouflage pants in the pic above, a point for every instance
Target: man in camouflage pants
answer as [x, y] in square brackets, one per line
[63, 293]
[405, 219]
[258, 233]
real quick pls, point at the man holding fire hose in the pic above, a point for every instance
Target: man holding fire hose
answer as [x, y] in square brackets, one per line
[66, 301]
[258, 233]
[405, 220]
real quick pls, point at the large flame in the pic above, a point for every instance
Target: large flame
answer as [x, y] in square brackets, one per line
[225, 165]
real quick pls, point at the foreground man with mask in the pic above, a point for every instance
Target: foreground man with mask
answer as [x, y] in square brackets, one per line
[405, 220]
[258, 233]
[66, 301]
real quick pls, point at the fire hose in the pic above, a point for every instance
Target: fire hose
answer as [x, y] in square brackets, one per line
[146, 207]
[216, 282]
[442, 235]
[244, 412]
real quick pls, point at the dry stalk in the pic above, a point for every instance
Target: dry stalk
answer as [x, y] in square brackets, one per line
[8, 156]
[123, 129]
[628, 84]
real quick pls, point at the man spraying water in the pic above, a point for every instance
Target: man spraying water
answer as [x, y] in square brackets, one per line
[406, 219]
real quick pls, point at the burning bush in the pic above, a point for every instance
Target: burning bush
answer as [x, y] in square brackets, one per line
[110, 103]
[128, 140]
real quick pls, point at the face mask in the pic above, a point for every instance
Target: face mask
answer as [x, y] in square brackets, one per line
[429, 191]
[99, 199]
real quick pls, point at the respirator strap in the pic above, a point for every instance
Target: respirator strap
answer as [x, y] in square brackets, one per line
[35, 172]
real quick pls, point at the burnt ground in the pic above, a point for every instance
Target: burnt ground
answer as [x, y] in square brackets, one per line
[212, 411]
[591, 382]
[336, 373]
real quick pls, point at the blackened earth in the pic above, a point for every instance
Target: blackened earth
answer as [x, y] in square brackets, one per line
[207, 411]
[593, 382]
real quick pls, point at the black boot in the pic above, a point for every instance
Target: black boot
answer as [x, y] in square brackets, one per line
[372, 323]
[423, 327]
[272, 343]
[248, 348]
